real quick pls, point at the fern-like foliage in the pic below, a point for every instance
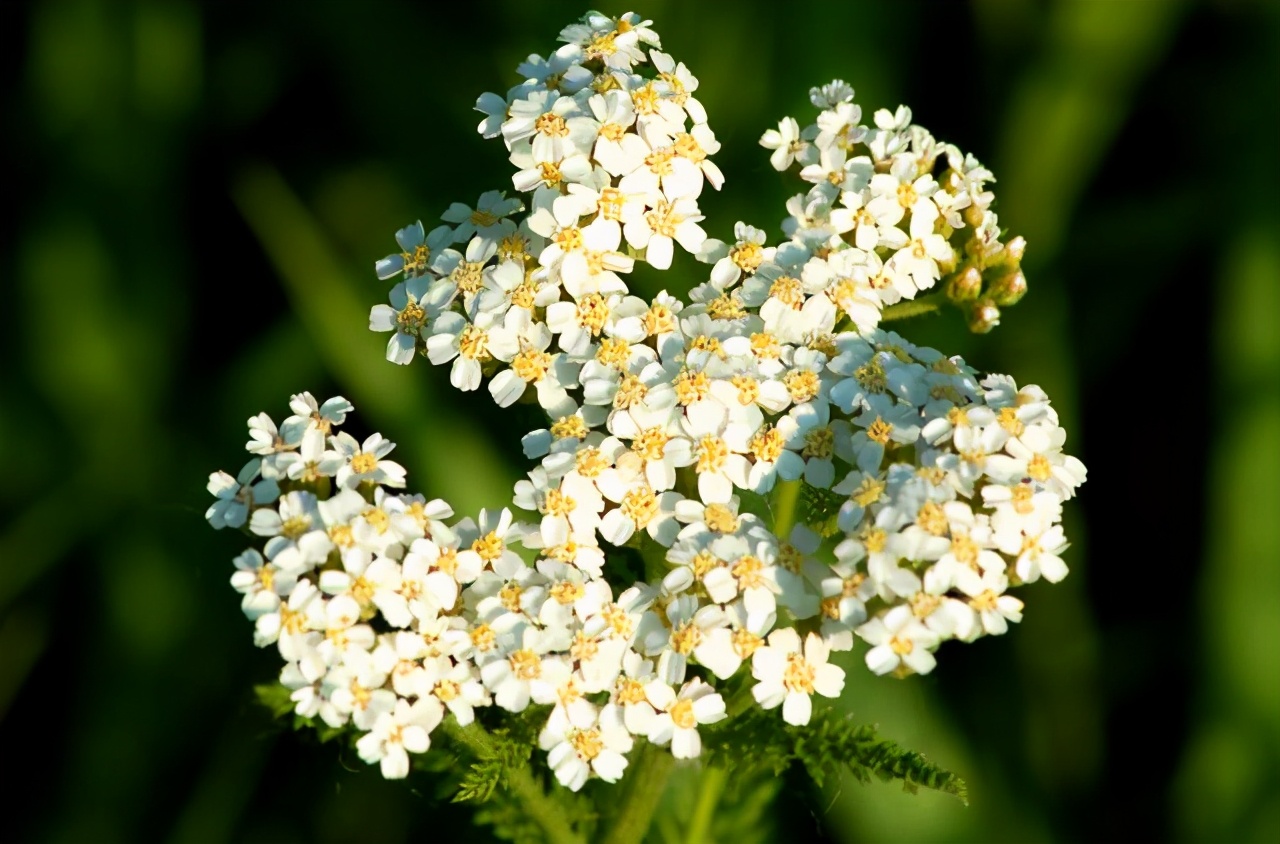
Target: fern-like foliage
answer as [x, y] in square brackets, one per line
[490, 769]
[818, 508]
[829, 744]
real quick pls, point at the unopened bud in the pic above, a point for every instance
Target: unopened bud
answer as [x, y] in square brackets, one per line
[965, 286]
[973, 216]
[1014, 250]
[983, 316]
[1009, 288]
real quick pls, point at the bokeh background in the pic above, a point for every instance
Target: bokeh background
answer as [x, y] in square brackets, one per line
[198, 192]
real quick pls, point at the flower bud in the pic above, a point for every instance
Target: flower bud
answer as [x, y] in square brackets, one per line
[983, 316]
[1014, 250]
[964, 286]
[1009, 288]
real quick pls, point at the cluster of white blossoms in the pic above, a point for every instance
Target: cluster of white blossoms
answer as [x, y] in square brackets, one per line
[792, 475]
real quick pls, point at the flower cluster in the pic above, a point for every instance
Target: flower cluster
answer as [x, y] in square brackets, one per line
[892, 211]
[790, 474]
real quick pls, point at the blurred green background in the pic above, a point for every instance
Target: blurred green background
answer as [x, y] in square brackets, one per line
[200, 193]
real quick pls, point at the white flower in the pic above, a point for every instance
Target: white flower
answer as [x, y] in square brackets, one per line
[785, 141]
[414, 304]
[457, 686]
[1037, 553]
[832, 94]
[261, 583]
[524, 344]
[365, 461]
[238, 496]
[836, 172]
[788, 675]
[487, 221]
[312, 416]
[574, 753]
[995, 609]
[679, 715]
[838, 125]
[396, 734]
[456, 339]
[915, 265]
[488, 543]
[525, 674]
[899, 641]
[418, 248]
[563, 71]
[618, 150]
[677, 638]
[669, 220]
[639, 508]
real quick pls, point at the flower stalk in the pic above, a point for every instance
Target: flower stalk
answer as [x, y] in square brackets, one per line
[641, 796]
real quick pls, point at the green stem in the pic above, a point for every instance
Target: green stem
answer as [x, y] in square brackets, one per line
[646, 780]
[913, 307]
[713, 782]
[740, 701]
[520, 782]
[786, 496]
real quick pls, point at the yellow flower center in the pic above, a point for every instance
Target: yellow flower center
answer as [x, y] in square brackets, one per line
[682, 714]
[469, 276]
[691, 387]
[509, 596]
[614, 351]
[569, 426]
[558, 504]
[473, 343]
[640, 506]
[720, 519]
[802, 384]
[819, 443]
[364, 463]
[685, 638]
[568, 591]
[799, 674]
[525, 664]
[586, 743]
[880, 431]
[749, 571]
[726, 307]
[712, 452]
[659, 320]
[631, 391]
[747, 256]
[551, 125]
[788, 291]
[931, 519]
[589, 462]
[1010, 422]
[745, 643]
[768, 445]
[703, 562]
[489, 547]
[651, 444]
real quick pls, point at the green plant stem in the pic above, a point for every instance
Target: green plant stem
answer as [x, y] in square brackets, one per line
[709, 791]
[786, 496]
[646, 779]
[520, 782]
[913, 307]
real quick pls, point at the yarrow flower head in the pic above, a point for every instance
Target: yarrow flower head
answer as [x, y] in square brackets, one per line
[793, 476]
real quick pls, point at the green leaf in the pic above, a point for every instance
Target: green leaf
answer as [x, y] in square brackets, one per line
[275, 698]
[827, 745]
